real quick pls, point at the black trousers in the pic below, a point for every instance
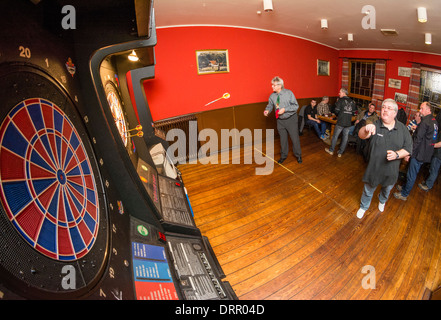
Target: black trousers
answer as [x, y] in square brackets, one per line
[289, 127]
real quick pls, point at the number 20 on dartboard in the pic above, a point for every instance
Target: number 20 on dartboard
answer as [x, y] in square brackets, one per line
[24, 52]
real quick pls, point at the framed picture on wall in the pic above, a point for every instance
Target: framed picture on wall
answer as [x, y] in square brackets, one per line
[212, 61]
[394, 83]
[322, 68]
[404, 72]
[401, 98]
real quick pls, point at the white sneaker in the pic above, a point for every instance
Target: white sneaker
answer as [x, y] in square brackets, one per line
[381, 206]
[360, 213]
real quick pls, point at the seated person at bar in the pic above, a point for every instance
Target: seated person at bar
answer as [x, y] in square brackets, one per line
[311, 119]
[369, 116]
[323, 108]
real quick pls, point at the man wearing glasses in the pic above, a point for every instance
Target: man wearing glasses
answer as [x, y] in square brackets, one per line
[285, 106]
[389, 142]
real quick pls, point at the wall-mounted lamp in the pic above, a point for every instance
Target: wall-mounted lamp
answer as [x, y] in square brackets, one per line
[350, 37]
[324, 24]
[133, 56]
[428, 38]
[268, 5]
[422, 14]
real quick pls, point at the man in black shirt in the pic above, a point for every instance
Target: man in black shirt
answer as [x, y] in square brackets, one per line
[435, 164]
[344, 109]
[424, 139]
[389, 141]
[311, 119]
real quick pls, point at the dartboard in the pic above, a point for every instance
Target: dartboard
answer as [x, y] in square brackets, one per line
[47, 186]
[117, 112]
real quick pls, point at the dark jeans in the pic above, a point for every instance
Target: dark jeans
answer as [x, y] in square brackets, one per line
[320, 128]
[412, 172]
[433, 172]
[344, 139]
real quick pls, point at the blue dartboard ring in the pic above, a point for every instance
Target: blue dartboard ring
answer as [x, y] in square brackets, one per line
[47, 185]
[53, 205]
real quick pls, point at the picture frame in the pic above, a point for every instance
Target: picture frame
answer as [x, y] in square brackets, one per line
[400, 98]
[212, 61]
[404, 72]
[394, 83]
[323, 68]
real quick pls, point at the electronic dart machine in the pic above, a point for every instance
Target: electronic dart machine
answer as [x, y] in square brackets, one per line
[91, 205]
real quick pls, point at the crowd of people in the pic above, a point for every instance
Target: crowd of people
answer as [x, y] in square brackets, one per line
[388, 140]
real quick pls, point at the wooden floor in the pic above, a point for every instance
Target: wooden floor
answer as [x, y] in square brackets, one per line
[293, 234]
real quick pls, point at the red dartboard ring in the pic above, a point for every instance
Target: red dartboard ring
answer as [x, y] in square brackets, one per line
[53, 205]
[47, 185]
[53, 208]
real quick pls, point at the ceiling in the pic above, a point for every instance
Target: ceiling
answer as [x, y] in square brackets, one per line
[301, 18]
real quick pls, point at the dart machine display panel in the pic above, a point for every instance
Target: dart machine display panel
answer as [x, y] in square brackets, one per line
[155, 170]
[91, 206]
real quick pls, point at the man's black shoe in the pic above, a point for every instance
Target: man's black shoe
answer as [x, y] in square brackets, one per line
[281, 160]
[299, 159]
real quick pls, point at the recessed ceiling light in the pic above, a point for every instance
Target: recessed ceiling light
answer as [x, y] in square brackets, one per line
[268, 5]
[422, 14]
[428, 38]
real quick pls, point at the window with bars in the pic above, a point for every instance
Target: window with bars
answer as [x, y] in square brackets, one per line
[430, 88]
[361, 81]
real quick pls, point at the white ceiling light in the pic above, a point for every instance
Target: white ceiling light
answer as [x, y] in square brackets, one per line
[133, 56]
[324, 24]
[422, 14]
[268, 5]
[350, 37]
[428, 38]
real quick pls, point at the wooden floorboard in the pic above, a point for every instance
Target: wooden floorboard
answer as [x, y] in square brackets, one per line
[293, 234]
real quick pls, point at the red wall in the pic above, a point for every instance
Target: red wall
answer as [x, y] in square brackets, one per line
[255, 57]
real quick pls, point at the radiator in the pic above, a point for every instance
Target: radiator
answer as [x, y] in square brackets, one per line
[162, 127]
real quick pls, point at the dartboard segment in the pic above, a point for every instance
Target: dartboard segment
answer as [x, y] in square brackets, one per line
[117, 112]
[47, 186]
